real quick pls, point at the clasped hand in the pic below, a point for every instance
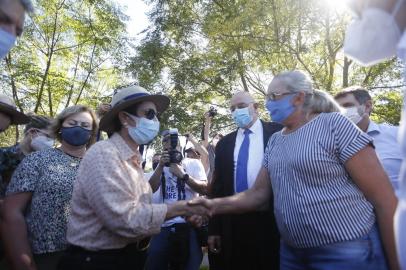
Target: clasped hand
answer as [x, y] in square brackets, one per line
[201, 206]
[200, 210]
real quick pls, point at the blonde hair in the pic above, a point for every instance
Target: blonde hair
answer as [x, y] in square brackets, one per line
[55, 128]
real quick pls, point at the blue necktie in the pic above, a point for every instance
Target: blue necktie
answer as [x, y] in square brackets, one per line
[241, 180]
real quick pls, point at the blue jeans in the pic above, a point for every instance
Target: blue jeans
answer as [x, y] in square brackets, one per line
[365, 253]
[158, 251]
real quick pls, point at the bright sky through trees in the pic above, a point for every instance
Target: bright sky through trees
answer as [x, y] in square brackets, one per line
[136, 10]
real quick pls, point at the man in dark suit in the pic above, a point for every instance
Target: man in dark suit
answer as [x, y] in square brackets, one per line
[247, 241]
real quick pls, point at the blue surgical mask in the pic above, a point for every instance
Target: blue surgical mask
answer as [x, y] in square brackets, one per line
[242, 117]
[145, 131]
[7, 42]
[280, 109]
[76, 136]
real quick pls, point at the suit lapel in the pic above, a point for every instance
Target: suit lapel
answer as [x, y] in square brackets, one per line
[230, 162]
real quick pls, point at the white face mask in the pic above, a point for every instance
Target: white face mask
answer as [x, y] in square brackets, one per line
[145, 130]
[354, 114]
[373, 38]
[41, 142]
[7, 41]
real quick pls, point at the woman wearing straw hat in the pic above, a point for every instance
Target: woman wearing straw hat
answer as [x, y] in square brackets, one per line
[111, 207]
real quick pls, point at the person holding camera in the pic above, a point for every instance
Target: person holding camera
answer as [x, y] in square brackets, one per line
[112, 214]
[176, 179]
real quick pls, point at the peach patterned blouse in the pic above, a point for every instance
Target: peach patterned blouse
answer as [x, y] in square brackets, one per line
[111, 203]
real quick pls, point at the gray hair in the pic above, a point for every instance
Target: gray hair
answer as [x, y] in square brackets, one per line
[296, 81]
[316, 101]
[321, 102]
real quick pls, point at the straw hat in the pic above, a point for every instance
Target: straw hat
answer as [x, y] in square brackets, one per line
[8, 107]
[127, 97]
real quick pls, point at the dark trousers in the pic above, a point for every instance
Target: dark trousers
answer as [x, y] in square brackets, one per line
[249, 241]
[117, 259]
[170, 250]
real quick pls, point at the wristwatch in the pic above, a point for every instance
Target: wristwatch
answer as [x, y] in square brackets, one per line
[185, 177]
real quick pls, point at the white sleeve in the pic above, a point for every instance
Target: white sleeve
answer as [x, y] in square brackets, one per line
[195, 169]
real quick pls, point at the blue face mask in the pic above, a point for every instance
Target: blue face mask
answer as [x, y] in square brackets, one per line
[242, 117]
[280, 109]
[145, 131]
[7, 42]
[76, 136]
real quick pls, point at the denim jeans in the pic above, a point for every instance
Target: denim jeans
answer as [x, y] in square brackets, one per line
[158, 251]
[365, 253]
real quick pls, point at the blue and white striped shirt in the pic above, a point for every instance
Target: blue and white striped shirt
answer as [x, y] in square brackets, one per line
[315, 201]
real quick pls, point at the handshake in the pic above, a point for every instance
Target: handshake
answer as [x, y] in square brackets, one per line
[195, 210]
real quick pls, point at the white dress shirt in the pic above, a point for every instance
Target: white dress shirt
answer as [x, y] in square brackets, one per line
[256, 151]
[387, 150]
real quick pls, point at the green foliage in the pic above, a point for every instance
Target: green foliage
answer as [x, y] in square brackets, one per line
[197, 52]
[201, 52]
[387, 107]
[70, 53]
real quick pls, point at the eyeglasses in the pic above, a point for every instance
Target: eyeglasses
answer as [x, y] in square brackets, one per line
[150, 114]
[275, 96]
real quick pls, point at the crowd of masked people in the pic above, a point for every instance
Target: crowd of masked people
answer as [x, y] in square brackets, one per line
[322, 186]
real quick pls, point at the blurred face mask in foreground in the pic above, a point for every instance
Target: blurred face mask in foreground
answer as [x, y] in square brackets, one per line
[373, 37]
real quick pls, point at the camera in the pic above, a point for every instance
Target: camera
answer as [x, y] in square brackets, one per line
[212, 111]
[175, 156]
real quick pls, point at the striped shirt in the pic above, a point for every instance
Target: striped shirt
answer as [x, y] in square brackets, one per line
[316, 202]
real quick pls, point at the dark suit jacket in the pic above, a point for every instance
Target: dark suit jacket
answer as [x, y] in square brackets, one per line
[248, 241]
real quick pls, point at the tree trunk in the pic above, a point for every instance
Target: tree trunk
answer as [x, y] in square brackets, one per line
[346, 68]
[50, 53]
[240, 58]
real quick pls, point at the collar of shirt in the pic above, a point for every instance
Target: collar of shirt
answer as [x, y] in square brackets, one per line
[373, 128]
[124, 150]
[255, 128]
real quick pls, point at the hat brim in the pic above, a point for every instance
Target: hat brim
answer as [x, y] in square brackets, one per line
[106, 123]
[17, 118]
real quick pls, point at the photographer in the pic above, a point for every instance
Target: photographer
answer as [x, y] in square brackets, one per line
[176, 179]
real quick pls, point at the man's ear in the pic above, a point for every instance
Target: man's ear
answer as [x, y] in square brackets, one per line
[369, 107]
